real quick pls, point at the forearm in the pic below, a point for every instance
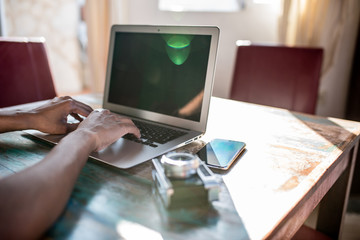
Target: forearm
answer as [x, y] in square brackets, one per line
[36, 196]
[15, 120]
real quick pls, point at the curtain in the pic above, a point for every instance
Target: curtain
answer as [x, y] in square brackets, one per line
[2, 17]
[332, 25]
[99, 17]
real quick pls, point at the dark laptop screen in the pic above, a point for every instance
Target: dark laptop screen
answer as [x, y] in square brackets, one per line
[161, 73]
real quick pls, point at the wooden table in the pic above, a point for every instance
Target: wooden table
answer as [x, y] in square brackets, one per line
[293, 162]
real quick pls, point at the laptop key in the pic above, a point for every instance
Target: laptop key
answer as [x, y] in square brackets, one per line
[152, 135]
[139, 140]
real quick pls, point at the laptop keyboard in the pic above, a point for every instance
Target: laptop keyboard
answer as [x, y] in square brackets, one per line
[152, 135]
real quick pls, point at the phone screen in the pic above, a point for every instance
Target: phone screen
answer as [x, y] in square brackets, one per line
[220, 153]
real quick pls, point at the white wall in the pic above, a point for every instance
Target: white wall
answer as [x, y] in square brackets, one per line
[258, 23]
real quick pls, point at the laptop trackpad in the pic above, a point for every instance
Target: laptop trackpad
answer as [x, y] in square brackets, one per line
[122, 152]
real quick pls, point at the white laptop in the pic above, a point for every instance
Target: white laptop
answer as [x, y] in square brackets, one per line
[157, 75]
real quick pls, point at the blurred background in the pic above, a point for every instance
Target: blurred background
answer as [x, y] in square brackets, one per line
[77, 35]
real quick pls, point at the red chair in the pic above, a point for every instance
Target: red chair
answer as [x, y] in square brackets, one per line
[279, 76]
[25, 74]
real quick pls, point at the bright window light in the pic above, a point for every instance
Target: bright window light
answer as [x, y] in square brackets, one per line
[265, 1]
[243, 43]
[201, 5]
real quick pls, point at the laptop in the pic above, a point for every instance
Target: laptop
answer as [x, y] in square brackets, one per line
[161, 77]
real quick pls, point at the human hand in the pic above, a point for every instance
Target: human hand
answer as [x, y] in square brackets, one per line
[52, 116]
[107, 127]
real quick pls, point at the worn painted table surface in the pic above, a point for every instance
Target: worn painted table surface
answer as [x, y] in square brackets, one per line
[292, 163]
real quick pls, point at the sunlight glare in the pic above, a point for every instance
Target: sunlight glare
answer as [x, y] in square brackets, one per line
[130, 231]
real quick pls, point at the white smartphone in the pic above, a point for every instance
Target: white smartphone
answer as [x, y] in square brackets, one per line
[221, 153]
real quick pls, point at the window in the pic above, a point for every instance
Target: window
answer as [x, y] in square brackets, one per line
[201, 5]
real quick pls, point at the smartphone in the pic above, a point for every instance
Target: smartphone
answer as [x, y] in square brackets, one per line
[221, 153]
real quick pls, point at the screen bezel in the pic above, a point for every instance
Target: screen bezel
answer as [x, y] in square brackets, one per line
[158, 117]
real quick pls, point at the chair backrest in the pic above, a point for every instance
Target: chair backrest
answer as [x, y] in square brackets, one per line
[279, 76]
[25, 74]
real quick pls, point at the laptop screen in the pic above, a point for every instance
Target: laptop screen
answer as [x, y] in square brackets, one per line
[162, 73]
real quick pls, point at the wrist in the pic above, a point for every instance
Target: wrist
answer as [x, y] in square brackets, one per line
[28, 119]
[75, 149]
[85, 138]
[24, 120]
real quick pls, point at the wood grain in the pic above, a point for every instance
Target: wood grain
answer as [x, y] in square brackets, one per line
[291, 162]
